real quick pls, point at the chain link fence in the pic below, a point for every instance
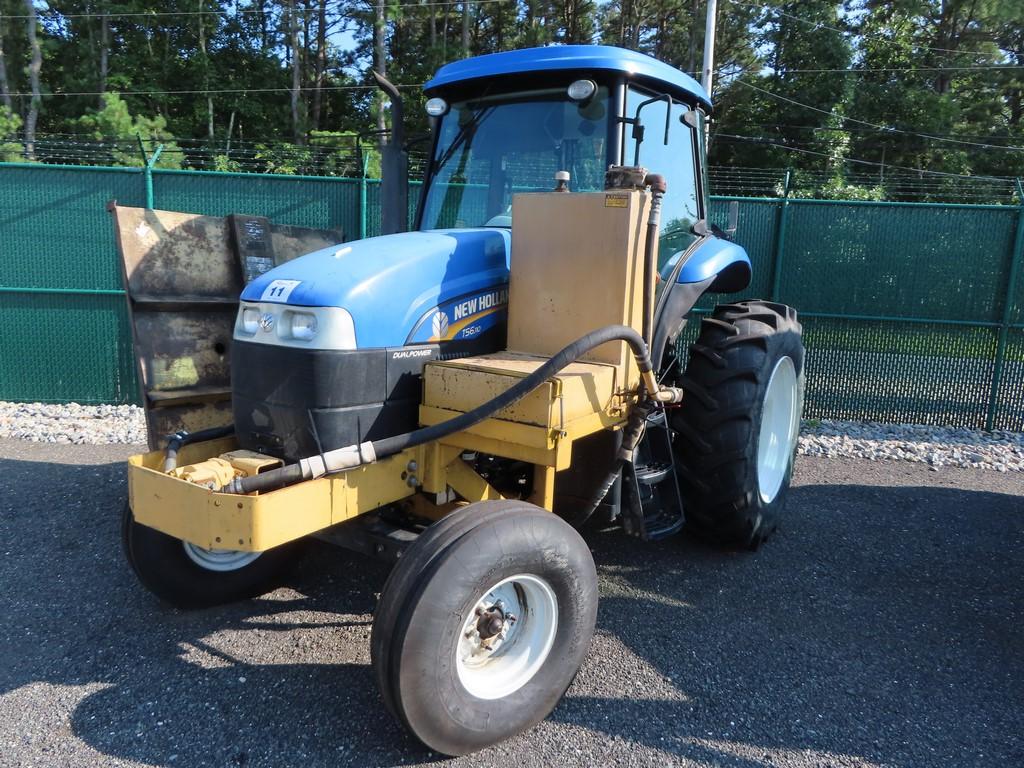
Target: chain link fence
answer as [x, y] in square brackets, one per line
[912, 312]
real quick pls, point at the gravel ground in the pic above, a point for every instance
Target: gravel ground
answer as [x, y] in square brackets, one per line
[882, 626]
[935, 446]
[73, 423]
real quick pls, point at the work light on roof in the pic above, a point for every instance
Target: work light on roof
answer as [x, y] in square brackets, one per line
[581, 90]
[436, 106]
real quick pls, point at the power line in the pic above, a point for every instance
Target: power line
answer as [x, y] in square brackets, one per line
[883, 128]
[766, 142]
[859, 70]
[50, 12]
[208, 91]
[825, 128]
[909, 178]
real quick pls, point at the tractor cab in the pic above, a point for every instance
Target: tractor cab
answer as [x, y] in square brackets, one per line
[508, 122]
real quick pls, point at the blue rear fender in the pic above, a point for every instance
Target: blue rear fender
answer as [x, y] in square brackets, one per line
[712, 257]
[710, 264]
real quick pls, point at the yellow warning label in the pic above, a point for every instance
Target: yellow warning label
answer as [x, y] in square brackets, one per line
[616, 201]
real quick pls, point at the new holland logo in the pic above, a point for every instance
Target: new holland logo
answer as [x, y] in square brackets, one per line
[266, 321]
[481, 303]
[439, 324]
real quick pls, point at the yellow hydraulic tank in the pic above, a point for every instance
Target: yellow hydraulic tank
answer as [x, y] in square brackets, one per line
[577, 265]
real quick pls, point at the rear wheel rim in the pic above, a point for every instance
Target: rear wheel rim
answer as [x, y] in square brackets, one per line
[778, 431]
[220, 560]
[496, 666]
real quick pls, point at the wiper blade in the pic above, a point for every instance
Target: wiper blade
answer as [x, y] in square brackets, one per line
[463, 135]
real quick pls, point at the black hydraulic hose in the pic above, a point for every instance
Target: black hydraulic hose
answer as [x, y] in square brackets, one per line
[180, 439]
[388, 446]
[632, 433]
[658, 187]
[268, 481]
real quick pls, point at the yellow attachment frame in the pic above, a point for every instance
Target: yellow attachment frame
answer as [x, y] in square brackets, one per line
[259, 522]
[559, 237]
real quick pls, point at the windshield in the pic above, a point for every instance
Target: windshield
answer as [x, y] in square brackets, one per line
[490, 149]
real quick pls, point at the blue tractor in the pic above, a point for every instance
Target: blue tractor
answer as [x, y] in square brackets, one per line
[435, 395]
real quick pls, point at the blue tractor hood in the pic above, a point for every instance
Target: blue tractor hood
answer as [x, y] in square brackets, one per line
[392, 285]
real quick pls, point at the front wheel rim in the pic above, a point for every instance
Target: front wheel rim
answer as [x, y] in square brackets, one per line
[524, 610]
[779, 419]
[220, 560]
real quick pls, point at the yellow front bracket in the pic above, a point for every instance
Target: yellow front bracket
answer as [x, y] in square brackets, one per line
[256, 523]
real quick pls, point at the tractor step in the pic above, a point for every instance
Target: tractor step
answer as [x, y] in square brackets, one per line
[652, 474]
[653, 507]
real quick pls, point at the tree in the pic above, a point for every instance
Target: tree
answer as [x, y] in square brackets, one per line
[805, 84]
[797, 41]
[114, 123]
[34, 67]
[5, 91]
[10, 148]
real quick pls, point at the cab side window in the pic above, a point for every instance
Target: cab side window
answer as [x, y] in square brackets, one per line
[675, 161]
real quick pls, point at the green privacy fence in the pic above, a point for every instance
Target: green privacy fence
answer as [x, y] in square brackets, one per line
[912, 312]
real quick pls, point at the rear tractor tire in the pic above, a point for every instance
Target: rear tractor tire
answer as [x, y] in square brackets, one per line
[483, 624]
[738, 425]
[187, 576]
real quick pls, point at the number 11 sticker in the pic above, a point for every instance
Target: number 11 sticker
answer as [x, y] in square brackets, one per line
[279, 290]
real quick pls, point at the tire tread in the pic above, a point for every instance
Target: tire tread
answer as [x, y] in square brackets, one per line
[716, 446]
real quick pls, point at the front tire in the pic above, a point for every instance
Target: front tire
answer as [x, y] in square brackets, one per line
[739, 421]
[483, 625]
[190, 577]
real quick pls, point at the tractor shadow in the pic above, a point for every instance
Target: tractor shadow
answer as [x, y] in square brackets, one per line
[282, 680]
[878, 619]
[885, 624]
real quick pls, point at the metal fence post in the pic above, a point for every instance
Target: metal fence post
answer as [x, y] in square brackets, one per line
[149, 176]
[148, 161]
[1016, 255]
[780, 239]
[147, 182]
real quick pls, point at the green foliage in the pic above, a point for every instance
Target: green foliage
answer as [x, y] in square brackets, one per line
[113, 122]
[836, 188]
[839, 189]
[345, 161]
[10, 123]
[284, 159]
[225, 164]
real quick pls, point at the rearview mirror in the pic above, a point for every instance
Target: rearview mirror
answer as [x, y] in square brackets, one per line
[734, 218]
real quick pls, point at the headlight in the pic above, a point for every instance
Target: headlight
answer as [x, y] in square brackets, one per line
[250, 320]
[303, 326]
[306, 327]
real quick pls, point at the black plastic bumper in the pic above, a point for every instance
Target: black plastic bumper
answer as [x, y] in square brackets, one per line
[293, 403]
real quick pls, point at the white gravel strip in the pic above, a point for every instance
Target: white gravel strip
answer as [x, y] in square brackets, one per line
[936, 446]
[73, 423]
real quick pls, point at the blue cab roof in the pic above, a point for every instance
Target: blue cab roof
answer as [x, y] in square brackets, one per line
[563, 57]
